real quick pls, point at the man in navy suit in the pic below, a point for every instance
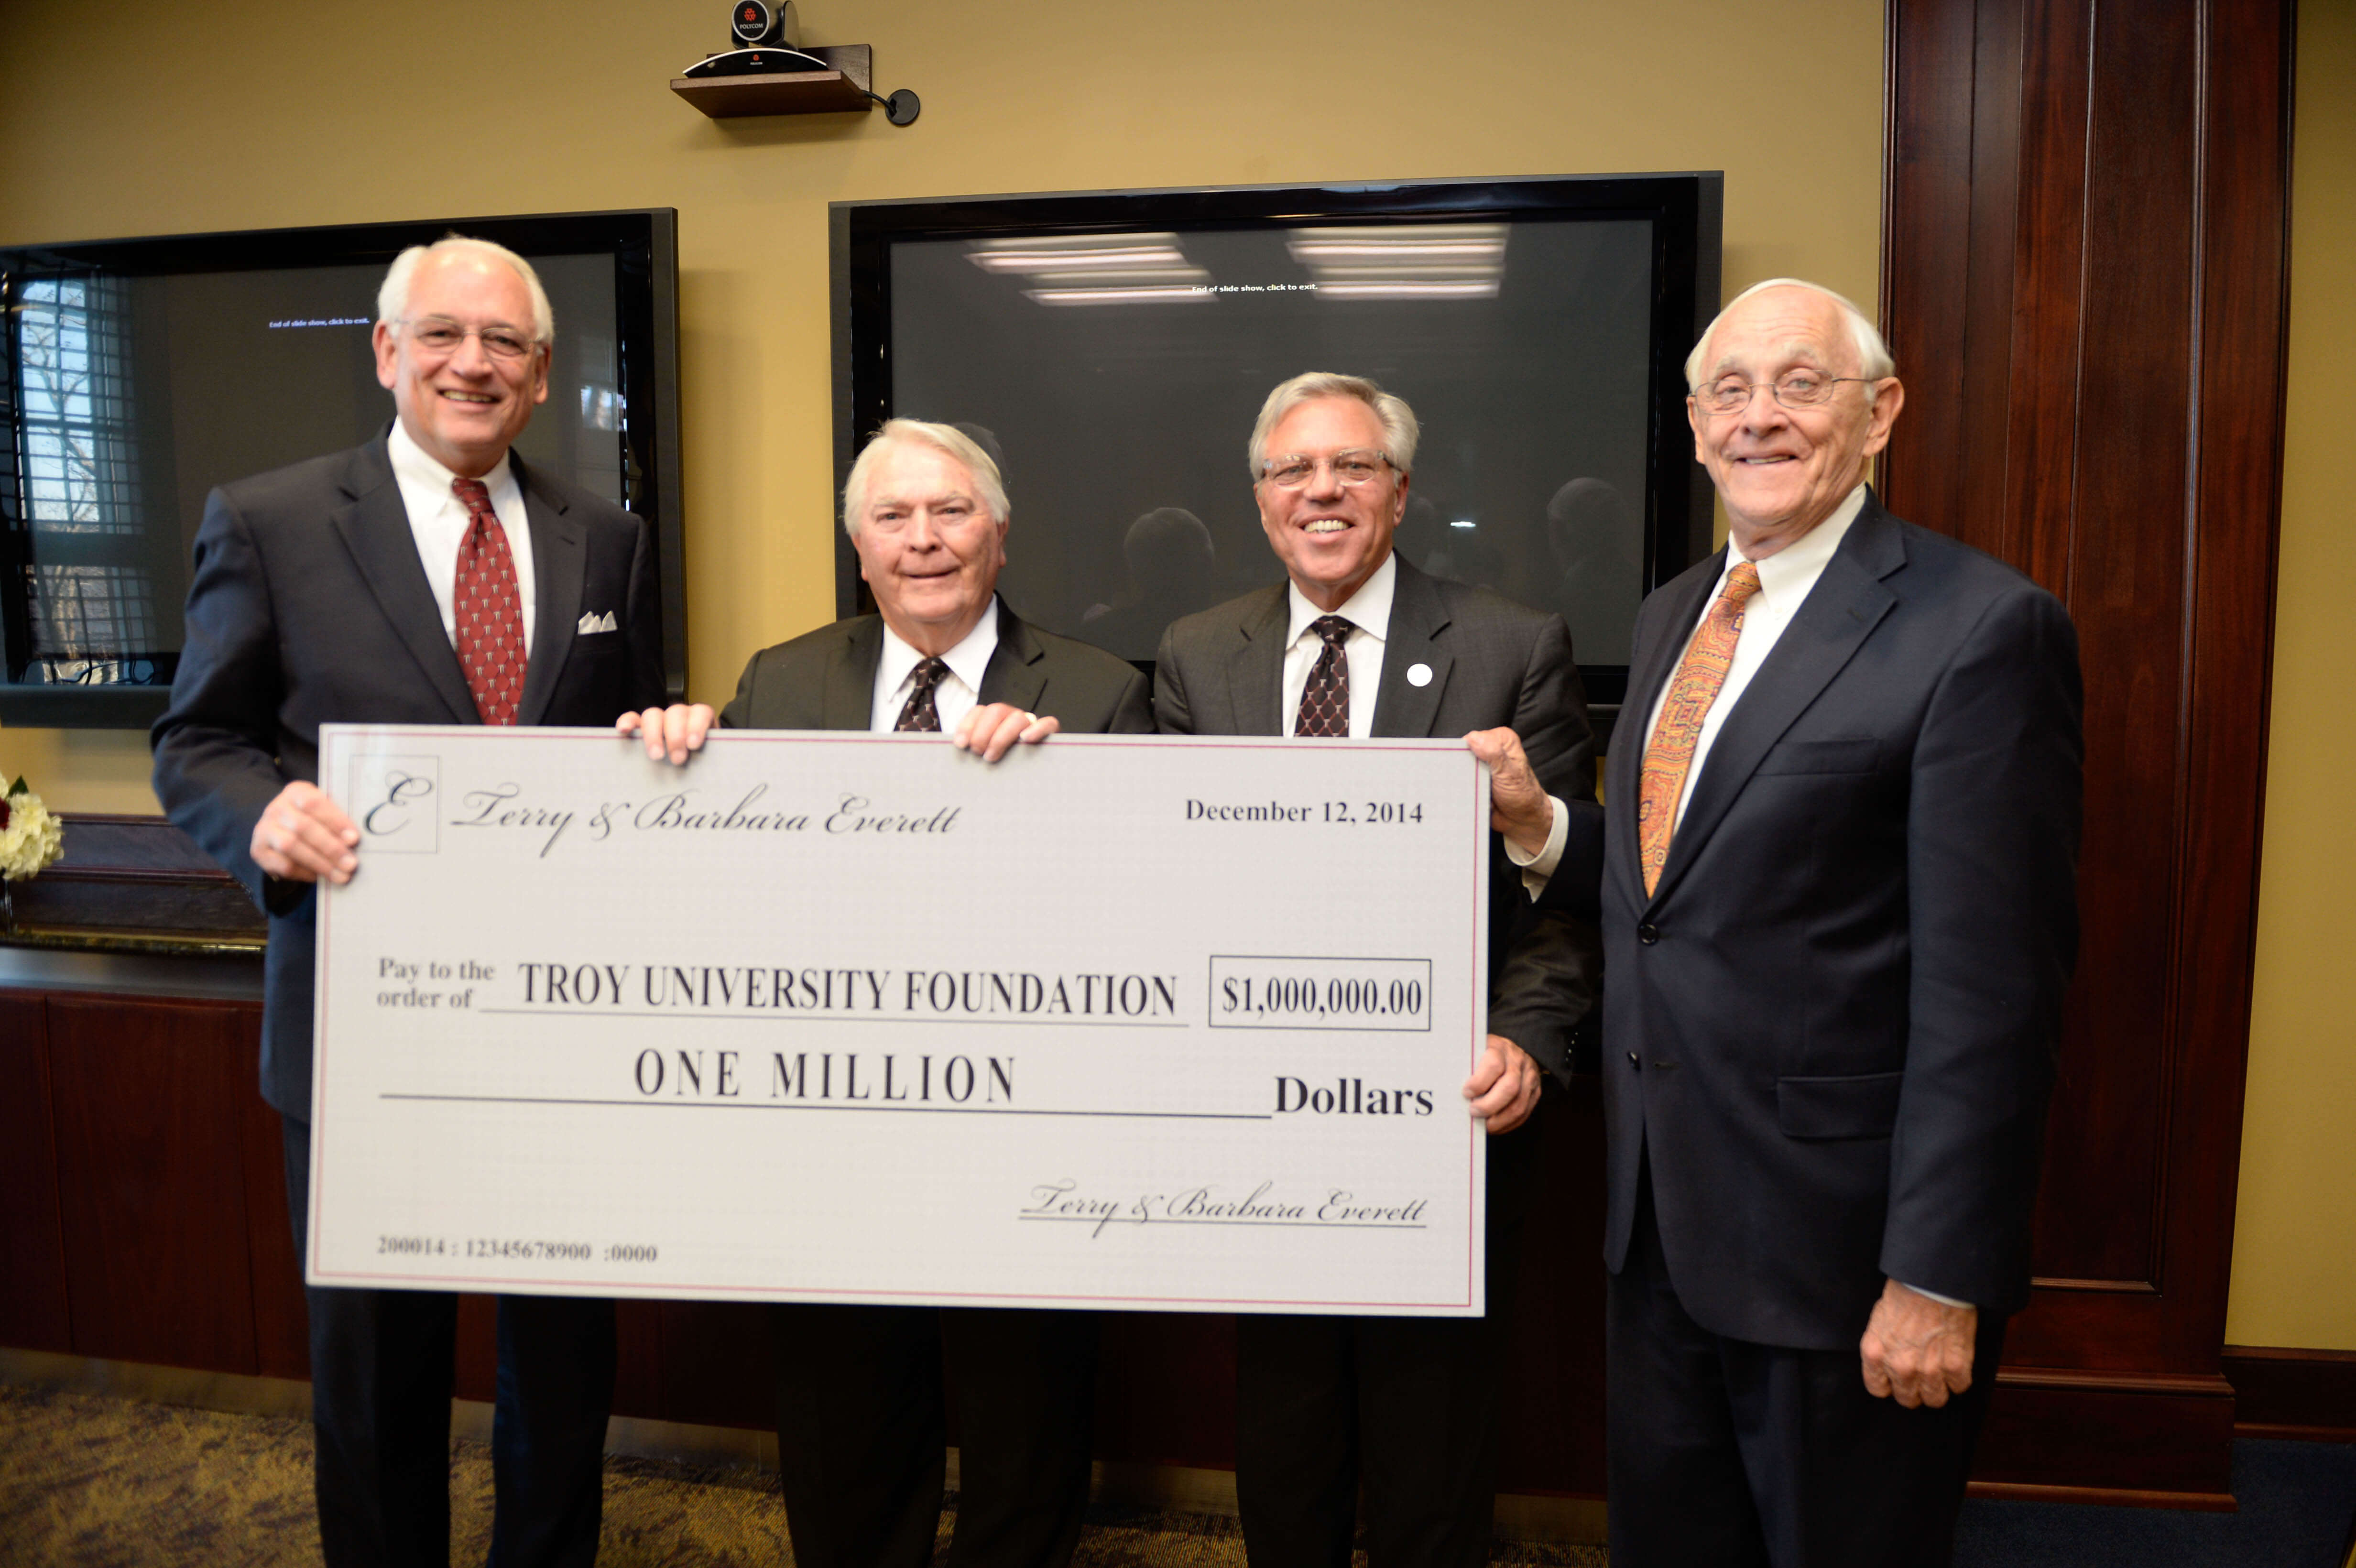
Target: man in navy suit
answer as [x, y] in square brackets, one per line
[1839, 913]
[427, 577]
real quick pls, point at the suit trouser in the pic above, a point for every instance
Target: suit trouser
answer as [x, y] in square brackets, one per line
[862, 1433]
[1730, 1453]
[1404, 1407]
[381, 1366]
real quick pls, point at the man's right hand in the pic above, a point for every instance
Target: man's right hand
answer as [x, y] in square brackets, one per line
[672, 731]
[304, 837]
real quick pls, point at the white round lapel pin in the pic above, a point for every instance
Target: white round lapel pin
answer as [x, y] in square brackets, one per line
[1419, 675]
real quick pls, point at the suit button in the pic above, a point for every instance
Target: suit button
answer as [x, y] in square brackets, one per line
[1648, 934]
[1635, 1061]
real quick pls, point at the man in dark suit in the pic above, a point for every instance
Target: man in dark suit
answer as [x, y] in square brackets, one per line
[427, 577]
[861, 1431]
[1359, 643]
[1839, 915]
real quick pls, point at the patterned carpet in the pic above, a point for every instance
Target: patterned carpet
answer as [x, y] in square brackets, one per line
[92, 1482]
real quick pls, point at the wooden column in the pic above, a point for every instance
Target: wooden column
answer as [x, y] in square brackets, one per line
[2084, 283]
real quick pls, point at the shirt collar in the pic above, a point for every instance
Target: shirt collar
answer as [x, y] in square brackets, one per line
[1797, 565]
[968, 661]
[1369, 609]
[413, 465]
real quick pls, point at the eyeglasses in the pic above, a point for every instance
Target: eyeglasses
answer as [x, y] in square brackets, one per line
[440, 335]
[1800, 390]
[1352, 468]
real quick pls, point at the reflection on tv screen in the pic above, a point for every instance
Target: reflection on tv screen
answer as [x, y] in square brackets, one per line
[1116, 375]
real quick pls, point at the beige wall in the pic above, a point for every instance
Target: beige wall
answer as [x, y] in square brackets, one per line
[2294, 1229]
[269, 112]
[261, 113]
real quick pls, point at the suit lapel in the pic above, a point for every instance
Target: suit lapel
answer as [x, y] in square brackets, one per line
[1681, 607]
[1842, 610]
[1014, 675]
[847, 699]
[1403, 709]
[374, 526]
[559, 555]
[1255, 667]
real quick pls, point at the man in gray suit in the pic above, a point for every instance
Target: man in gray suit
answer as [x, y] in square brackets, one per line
[1359, 643]
[860, 1429]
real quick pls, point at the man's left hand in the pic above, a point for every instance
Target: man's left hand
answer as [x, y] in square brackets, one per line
[994, 729]
[1916, 1350]
[1504, 1087]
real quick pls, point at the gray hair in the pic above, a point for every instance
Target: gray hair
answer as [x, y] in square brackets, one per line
[1873, 358]
[1400, 429]
[393, 296]
[944, 438]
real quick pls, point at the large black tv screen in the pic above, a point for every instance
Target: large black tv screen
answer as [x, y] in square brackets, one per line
[141, 373]
[1113, 349]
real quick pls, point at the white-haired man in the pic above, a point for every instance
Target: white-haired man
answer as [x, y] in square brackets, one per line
[1357, 644]
[426, 577]
[1838, 916]
[861, 1436]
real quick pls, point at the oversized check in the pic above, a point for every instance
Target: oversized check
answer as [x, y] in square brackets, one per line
[1116, 1022]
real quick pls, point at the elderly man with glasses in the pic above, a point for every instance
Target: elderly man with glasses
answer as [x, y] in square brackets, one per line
[1839, 915]
[1359, 643]
[425, 577]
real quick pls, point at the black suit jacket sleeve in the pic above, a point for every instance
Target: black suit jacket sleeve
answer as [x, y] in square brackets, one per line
[1991, 849]
[217, 753]
[1548, 973]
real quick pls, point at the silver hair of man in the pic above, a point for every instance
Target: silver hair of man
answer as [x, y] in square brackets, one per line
[945, 438]
[393, 296]
[1873, 357]
[1400, 429]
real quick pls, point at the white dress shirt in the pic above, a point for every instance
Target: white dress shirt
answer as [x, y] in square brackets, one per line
[1368, 611]
[439, 520]
[1784, 580]
[959, 690]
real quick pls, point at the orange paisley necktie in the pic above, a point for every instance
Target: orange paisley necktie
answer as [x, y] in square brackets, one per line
[1692, 690]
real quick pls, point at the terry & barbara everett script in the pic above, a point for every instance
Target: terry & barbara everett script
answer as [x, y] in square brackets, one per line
[1116, 1022]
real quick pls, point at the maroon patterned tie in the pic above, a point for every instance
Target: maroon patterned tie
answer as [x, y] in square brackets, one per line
[1325, 701]
[489, 609]
[921, 714]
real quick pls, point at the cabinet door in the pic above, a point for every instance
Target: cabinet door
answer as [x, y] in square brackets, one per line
[32, 1240]
[150, 1103]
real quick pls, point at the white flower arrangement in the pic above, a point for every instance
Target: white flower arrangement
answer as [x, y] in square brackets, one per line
[31, 837]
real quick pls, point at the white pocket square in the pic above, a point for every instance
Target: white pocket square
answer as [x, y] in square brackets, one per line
[593, 622]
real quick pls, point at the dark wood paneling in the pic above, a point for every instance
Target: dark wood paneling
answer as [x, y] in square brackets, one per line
[2110, 1432]
[282, 1344]
[32, 1237]
[150, 1100]
[1166, 1389]
[478, 1348]
[2084, 287]
[718, 1363]
[2308, 1394]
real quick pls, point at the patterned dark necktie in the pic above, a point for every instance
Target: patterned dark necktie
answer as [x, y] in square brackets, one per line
[489, 609]
[1692, 692]
[920, 714]
[1325, 701]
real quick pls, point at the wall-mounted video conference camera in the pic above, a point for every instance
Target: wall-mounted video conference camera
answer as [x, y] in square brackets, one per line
[768, 41]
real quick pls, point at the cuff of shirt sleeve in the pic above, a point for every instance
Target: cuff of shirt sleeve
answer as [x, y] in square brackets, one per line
[1538, 869]
[1942, 1300]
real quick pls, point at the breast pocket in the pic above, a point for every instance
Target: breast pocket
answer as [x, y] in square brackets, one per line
[1854, 1105]
[1855, 756]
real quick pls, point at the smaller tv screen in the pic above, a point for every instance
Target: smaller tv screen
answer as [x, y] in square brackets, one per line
[1112, 351]
[140, 374]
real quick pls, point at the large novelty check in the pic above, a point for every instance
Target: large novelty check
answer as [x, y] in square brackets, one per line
[1117, 1022]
